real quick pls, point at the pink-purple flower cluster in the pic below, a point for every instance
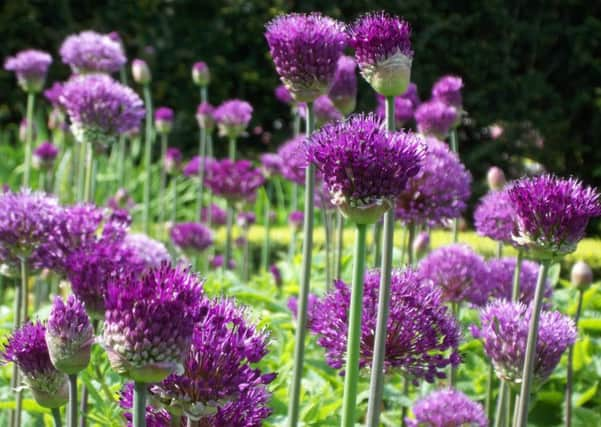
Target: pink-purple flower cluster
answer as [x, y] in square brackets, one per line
[501, 279]
[343, 91]
[172, 162]
[163, 119]
[233, 117]
[91, 52]
[271, 163]
[448, 90]
[31, 67]
[192, 168]
[447, 408]
[435, 118]
[218, 215]
[235, 181]
[201, 74]
[495, 217]
[145, 250]
[325, 111]
[191, 237]
[293, 161]
[44, 155]
[283, 95]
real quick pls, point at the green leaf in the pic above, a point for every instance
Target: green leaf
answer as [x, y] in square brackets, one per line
[587, 395]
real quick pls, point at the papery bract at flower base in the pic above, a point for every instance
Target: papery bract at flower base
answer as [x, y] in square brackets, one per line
[148, 251]
[163, 119]
[447, 408]
[201, 74]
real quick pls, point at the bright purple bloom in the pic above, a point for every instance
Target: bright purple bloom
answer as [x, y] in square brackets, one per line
[447, 408]
[343, 91]
[448, 90]
[100, 108]
[439, 191]
[501, 279]
[459, 272]
[218, 215]
[552, 213]
[312, 302]
[31, 67]
[192, 168]
[90, 52]
[495, 217]
[423, 336]
[296, 219]
[383, 51]
[53, 93]
[232, 117]
[271, 163]
[173, 160]
[293, 161]
[325, 111]
[149, 322]
[191, 237]
[364, 166]
[44, 155]
[163, 119]
[283, 95]
[149, 252]
[504, 332]
[246, 219]
[201, 75]
[235, 181]
[204, 116]
[404, 106]
[305, 49]
[435, 118]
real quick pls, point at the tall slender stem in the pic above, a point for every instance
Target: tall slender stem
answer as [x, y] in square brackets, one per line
[455, 148]
[527, 373]
[501, 402]
[72, 407]
[81, 172]
[515, 290]
[299, 344]
[88, 186]
[228, 236]
[28, 138]
[148, 142]
[453, 369]
[490, 380]
[202, 152]
[411, 233]
[328, 247]
[121, 161]
[56, 416]
[24, 290]
[232, 149]
[570, 369]
[339, 244]
[139, 409]
[163, 177]
[267, 227]
[176, 420]
[376, 386]
[351, 372]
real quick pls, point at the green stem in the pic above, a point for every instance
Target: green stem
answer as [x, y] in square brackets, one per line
[406, 385]
[455, 148]
[527, 373]
[81, 172]
[246, 258]
[488, 402]
[232, 149]
[499, 250]
[29, 138]
[72, 407]
[56, 416]
[339, 244]
[24, 290]
[202, 152]
[515, 289]
[174, 197]
[351, 372]
[228, 237]
[570, 368]
[377, 244]
[453, 369]
[299, 344]
[500, 412]
[267, 227]
[410, 255]
[328, 248]
[148, 142]
[139, 409]
[163, 178]
[121, 161]
[88, 186]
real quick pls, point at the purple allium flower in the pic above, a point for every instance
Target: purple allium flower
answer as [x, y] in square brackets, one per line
[305, 49]
[312, 302]
[246, 219]
[28, 350]
[459, 272]
[151, 253]
[552, 213]
[235, 181]
[504, 332]
[90, 52]
[53, 93]
[283, 95]
[218, 260]
[296, 219]
[495, 217]
[293, 161]
[404, 106]
[192, 168]
[271, 163]
[581, 275]
[277, 275]
[232, 117]
[149, 322]
[191, 237]
[140, 71]
[31, 67]
[219, 385]
[325, 111]
[163, 119]
[122, 200]
[364, 166]
[435, 118]
[501, 279]
[218, 215]
[439, 191]
[423, 336]
[100, 108]
[447, 408]
[172, 162]
[201, 75]
[382, 46]
[495, 177]
[448, 90]
[69, 335]
[343, 92]
[204, 116]
[44, 155]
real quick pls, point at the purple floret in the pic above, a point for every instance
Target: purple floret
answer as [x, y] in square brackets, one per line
[447, 408]
[293, 161]
[325, 111]
[149, 252]
[31, 67]
[435, 118]
[448, 90]
[495, 217]
[53, 93]
[343, 91]
[89, 52]
[218, 215]
[191, 237]
[235, 181]
[283, 95]
[232, 117]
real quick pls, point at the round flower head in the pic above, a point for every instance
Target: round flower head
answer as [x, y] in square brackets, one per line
[581, 275]
[53, 93]
[163, 119]
[364, 167]
[44, 155]
[201, 75]
[69, 335]
[232, 117]
[283, 95]
[235, 181]
[192, 168]
[404, 106]
[501, 279]
[90, 52]
[495, 217]
[552, 213]
[293, 161]
[204, 116]
[100, 108]
[495, 177]
[296, 219]
[271, 163]
[343, 92]
[504, 332]
[140, 71]
[382, 46]
[448, 90]
[149, 322]
[191, 237]
[172, 162]
[423, 336]
[246, 219]
[218, 215]
[435, 118]
[219, 385]
[325, 111]
[305, 49]
[151, 253]
[447, 408]
[31, 67]
[439, 191]
[459, 272]
[28, 350]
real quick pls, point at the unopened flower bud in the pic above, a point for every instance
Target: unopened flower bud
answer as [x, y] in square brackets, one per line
[201, 73]
[140, 71]
[581, 275]
[495, 178]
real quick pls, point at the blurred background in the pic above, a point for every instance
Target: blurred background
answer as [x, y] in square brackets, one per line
[532, 69]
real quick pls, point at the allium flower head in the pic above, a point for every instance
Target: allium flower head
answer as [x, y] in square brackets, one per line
[219, 385]
[459, 272]
[364, 167]
[435, 118]
[28, 350]
[448, 90]
[439, 191]
[90, 52]
[271, 163]
[235, 181]
[192, 168]
[191, 237]
[325, 111]
[151, 253]
[100, 108]
[163, 119]
[495, 217]
[552, 213]
[501, 279]
[149, 322]
[305, 49]
[404, 106]
[382, 46]
[204, 116]
[140, 71]
[201, 75]
[293, 160]
[423, 336]
[44, 155]
[69, 335]
[283, 95]
[504, 332]
[447, 408]
[172, 162]
[31, 67]
[343, 91]
[232, 117]
[218, 215]
[53, 93]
